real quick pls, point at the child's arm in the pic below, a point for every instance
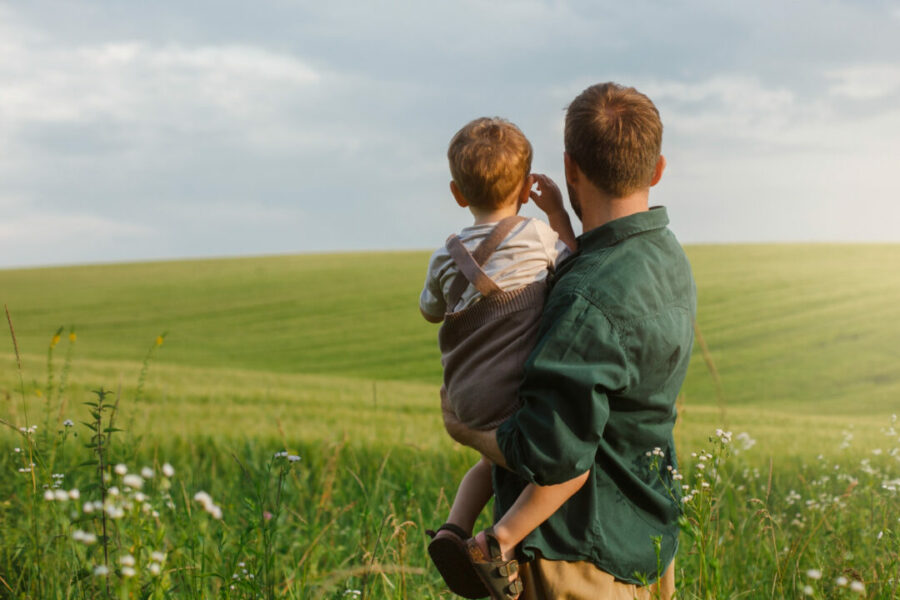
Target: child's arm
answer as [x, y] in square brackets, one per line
[549, 199]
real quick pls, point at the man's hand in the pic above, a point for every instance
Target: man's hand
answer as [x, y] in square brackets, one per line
[483, 441]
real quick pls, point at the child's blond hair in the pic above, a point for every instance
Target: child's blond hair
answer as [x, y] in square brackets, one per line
[489, 160]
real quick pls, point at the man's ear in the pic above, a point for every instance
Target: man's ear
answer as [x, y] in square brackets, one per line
[658, 172]
[572, 170]
[457, 195]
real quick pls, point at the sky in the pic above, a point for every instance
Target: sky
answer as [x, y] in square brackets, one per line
[170, 129]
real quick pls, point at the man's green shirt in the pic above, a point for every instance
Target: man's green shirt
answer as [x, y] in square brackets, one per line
[599, 394]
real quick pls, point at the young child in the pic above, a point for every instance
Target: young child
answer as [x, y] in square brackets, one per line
[487, 285]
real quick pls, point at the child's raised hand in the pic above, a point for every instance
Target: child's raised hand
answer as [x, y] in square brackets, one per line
[547, 195]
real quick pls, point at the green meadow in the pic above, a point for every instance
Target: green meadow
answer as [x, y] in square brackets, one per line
[327, 357]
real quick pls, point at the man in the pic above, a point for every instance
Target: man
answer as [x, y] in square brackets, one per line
[599, 389]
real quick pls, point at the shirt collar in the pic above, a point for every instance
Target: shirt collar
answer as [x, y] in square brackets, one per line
[615, 231]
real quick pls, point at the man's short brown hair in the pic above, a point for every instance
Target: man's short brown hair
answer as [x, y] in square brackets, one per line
[614, 135]
[489, 159]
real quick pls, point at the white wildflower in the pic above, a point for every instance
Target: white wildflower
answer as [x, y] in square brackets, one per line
[88, 508]
[858, 587]
[113, 491]
[126, 560]
[120, 469]
[101, 570]
[61, 495]
[128, 572]
[158, 556]
[74, 494]
[147, 473]
[68, 423]
[841, 581]
[84, 537]
[293, 458]
[168, 470]
[154, 569]
[814, 574]
[808, 591]
[49, 496]
[133, 481]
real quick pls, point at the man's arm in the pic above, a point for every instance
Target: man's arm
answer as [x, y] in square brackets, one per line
[565, 407]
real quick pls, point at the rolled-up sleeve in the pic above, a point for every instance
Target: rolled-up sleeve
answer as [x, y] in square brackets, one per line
[577, 362]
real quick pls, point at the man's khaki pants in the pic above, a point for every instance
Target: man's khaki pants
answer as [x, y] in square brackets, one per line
[561, 580]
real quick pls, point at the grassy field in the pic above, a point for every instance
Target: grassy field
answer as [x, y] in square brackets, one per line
[327, 357]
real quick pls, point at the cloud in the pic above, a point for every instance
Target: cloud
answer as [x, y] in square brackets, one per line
[865, 82]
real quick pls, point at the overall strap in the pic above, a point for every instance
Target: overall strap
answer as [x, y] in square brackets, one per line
[469, 264]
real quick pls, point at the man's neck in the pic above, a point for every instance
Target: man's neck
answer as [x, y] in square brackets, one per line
[599, 208]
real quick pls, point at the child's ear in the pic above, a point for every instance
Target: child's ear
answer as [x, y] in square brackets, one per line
[525, 192]
[457, 195]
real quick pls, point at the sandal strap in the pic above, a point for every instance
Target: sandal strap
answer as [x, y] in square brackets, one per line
[452, 528]
[514, 589]
[493, 545]
[508, 568]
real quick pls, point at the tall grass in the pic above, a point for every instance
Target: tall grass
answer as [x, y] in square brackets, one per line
[275, 516]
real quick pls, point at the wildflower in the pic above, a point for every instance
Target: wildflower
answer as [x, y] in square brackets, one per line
[147, 473]
[128, 572]
[84, 537]
[159, 340]
[208, 505]
[73, 337]
[101, 570]
[54, 341]
[858, 587]
[120, 469]
[113, 491]
[168, 470]
[267, 515]
[48, 495]
[133, 481]
[139, 497]
[68, 423]
[293, 458]
[158, 556]
[17, 450]
[74, 494]
[814, 574]
[126, 560]
[60, 495]
[88, 508]
[154, 569]
[841, 581]
[808, 591]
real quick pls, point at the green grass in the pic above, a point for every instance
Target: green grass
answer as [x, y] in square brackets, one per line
[328, 357]
[807, 327]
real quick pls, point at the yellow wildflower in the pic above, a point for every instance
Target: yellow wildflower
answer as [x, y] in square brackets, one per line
[54, 341]
[38, 393]
[159, 340]
[72, 337]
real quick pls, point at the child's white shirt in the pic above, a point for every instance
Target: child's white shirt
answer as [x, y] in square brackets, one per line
[525, 256]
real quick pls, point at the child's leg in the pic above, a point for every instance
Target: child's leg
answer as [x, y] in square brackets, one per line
[533, 506]
[474, 491]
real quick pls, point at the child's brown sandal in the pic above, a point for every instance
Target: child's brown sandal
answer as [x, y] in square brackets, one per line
[449, 555]
[493, 570]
